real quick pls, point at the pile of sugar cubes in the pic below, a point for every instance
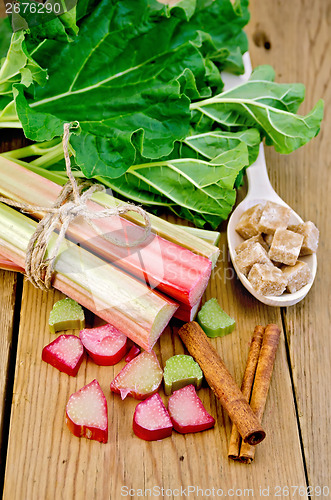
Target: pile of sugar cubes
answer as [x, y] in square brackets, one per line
[269, 255]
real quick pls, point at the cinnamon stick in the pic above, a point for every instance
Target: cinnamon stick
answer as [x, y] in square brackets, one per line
[262, 382]
[222, 383]
[246, 386]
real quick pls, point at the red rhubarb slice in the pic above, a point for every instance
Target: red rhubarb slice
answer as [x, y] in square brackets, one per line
[187, 411]
[151, 420]
[86, 413]
[140, 378]
[65, 353]
[134, 351]
[105, 344]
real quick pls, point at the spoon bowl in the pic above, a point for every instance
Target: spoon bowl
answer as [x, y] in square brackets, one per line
[261, 191]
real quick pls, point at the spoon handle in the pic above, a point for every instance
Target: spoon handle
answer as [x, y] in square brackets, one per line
[258, 181]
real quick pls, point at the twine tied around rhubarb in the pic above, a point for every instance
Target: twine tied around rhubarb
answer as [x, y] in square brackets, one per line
[71, 203]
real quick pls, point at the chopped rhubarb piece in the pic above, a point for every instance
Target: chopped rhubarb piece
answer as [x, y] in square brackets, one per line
[214, 321]
[151, 420]
[105, 344]
[179, 371]
[187, 411]
[86, 413]
[66, 314]
[65, 353]
[134, 351]
[140, 378]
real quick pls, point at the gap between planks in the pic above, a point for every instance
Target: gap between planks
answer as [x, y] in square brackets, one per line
[11, 322]
[289, 364]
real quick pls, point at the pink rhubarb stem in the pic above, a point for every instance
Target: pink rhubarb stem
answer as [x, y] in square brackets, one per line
[119, 299]
[161, 264]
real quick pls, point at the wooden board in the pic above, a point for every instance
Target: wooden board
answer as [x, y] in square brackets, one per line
[52, 462]
[299, 34]
[8, 286]
[7, 300]
[46, 462]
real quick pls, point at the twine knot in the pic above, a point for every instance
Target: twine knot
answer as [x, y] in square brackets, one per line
[71, 203]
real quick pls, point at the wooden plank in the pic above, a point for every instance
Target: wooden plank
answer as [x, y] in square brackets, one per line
[55, 464]
[7, 300]
[299, 35]
[8, 283]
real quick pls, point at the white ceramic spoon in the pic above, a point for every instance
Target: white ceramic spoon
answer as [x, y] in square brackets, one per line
[260, 191]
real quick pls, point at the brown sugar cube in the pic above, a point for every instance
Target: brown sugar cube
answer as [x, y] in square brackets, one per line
[310, 236]
[297, 276]
[250, 256]
[274, 217]
[267, 280]
[248, 222]
[285, 247]
[247, 243]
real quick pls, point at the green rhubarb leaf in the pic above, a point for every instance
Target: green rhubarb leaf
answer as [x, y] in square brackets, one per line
[19, 66]
[205, 188]
[263, 72]
[49, 21]
[85, 7]
[214, 321]
[62, 28]
[179, 371]
[6, 34]
[131, 102]
[222, 23]
[187, 8]
[268, 106]
[123, 99]
[137, 190]
[66, 314]
[211, 144]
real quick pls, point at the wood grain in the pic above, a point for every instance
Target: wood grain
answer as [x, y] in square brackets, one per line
[295, 38]
[299, 33]
[54, 464]
[7, 300]
[8, 283]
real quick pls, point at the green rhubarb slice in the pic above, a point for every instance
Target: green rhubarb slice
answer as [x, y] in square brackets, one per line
[179, 371]
[66, 314]
[214, 321]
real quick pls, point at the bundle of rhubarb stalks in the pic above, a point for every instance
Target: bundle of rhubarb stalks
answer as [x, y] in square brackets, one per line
[137, 289]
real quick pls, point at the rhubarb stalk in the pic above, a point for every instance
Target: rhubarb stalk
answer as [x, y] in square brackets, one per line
[184, 312]
[9, 265]
[119, 299]
[170, 268]
[199, 241]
